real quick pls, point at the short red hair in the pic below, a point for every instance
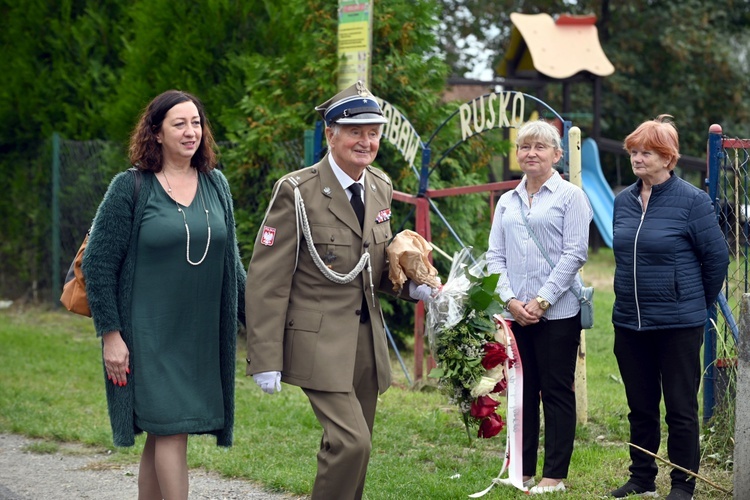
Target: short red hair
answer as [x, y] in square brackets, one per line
[658, 135]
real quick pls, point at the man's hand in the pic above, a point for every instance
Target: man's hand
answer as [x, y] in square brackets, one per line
[268, 381]
[422, 292]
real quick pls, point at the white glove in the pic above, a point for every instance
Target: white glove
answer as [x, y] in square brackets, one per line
[268, 381]
[421, 292]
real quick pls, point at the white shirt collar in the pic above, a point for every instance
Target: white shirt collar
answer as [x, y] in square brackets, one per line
[344, 178]
[552, 183]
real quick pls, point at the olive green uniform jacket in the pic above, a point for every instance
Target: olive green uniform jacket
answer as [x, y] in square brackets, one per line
[299, 322]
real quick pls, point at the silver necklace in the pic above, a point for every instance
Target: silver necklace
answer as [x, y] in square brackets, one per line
[184, 219]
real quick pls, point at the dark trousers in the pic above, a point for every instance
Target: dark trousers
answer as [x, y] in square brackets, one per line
[652, 363]
[549, 350]
[347, 419]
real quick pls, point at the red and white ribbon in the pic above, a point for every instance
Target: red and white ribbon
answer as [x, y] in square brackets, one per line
[513, 461]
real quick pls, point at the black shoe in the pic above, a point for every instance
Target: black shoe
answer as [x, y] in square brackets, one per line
[633, 490]
[678, 494]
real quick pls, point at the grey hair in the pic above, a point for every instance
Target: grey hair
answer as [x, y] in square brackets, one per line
[539, 130]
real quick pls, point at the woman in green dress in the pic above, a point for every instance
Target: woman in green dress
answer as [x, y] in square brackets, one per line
[166, 287]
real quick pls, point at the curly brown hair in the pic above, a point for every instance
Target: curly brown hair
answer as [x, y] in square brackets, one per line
[146, 153]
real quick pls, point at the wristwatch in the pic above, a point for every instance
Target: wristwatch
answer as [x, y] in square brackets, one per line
[543, 303]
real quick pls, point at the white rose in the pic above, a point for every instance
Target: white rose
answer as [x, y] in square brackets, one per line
[497, 373]
[483, 387]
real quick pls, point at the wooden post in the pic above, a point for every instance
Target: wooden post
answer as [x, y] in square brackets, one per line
[582, 400]
[742, 406]
[422, 223]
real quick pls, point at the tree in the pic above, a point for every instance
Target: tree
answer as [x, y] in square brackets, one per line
[485, 24]
[683, 57]
[188, 46]
[85, 69]
[283, 86]
[676, 58]
[60, 63]
[90, 75]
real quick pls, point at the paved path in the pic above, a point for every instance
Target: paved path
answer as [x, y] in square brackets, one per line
[77, 472]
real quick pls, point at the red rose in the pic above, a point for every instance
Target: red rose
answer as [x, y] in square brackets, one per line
[500, 386]
[490, 426]
[494, 354]
[483, 406]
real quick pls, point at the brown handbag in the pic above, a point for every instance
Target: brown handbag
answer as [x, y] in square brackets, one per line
[74, 290]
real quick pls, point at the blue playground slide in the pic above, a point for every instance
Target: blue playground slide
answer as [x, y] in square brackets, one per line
[596, 187]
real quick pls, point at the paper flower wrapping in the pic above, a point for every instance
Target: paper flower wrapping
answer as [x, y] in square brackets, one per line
[408, 258]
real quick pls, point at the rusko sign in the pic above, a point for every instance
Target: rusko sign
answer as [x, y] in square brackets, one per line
[496, 110]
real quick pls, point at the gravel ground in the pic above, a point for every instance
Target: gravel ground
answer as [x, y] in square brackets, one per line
[75, 472]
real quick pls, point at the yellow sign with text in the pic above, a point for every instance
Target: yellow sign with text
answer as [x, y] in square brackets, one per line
[354, 42]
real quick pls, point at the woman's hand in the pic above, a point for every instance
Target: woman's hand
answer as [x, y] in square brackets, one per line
[116, 358]
[533, 308]
[520, 313]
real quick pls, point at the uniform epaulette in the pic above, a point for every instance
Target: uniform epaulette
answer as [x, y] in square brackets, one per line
[379, 173]
[301, 176]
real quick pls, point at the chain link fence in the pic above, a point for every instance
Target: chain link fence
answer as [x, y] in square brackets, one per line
[729, 185]
[729, 188]
[734, 213]
[81, 173]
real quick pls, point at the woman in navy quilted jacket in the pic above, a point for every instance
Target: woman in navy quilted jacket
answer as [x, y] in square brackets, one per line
[671, 259]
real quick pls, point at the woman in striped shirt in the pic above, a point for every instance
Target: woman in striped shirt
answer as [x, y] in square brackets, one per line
[539, 296]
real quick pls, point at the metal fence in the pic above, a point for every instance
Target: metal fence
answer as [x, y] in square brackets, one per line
[81, 172]
[729, 188]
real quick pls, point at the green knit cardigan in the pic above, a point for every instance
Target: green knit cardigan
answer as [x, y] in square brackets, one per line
[108, 266]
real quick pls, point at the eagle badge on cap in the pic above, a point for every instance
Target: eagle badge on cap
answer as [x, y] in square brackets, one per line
[361, 89]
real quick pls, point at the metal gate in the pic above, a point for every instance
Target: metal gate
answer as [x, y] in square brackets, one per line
[729, 188]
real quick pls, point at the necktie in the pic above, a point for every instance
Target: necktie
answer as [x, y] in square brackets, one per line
[359, 209]
[356, 201]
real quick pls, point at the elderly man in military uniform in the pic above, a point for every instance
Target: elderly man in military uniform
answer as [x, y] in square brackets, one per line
[313, 317]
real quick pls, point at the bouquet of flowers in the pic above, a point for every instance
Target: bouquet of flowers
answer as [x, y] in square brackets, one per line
[469, 346]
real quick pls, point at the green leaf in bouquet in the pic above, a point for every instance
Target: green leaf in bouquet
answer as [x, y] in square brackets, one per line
[482, 293]
[436, 372]
[496, 307]
[483, 326]
[480, 299]
[489, 283]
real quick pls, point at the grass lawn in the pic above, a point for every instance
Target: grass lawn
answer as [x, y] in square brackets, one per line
[51, 386]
